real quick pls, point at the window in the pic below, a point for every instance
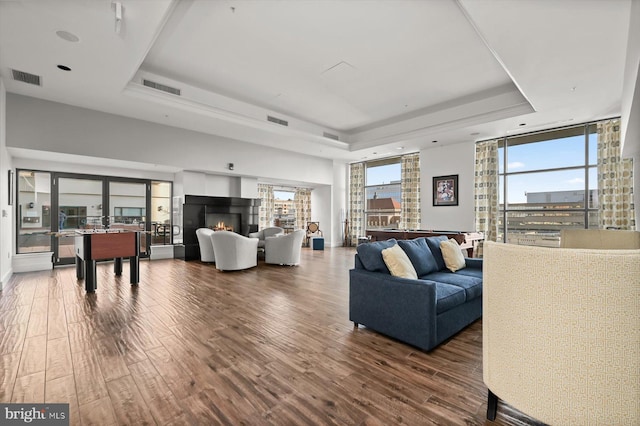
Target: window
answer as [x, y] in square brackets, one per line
[161, 226]
[284, 210]
[33, 206]
[383, 191]
[548, 181]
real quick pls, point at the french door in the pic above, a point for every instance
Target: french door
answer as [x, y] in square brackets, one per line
[97, 202]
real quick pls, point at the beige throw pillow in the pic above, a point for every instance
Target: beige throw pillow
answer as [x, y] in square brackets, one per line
[452, 254]
[398, 262]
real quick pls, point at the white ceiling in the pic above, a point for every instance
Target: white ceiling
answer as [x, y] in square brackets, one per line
[379, 74]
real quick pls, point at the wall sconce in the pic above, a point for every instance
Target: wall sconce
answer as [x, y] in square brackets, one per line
[230, 166]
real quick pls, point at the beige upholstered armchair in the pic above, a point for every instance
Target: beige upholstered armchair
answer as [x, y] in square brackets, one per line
[265, 233]
[206, 247]
[599, 238]
[234, 251]
[561, 333]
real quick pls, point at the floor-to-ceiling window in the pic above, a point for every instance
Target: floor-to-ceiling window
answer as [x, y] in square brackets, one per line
[547, 181]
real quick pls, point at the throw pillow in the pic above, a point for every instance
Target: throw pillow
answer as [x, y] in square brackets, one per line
[398, 262]
[370, 255]
[421, 258]
[452, 254]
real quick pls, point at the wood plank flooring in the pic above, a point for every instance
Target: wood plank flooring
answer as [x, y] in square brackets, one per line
[191, 345]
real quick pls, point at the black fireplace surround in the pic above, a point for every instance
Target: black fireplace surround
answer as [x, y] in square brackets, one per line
[237, 214]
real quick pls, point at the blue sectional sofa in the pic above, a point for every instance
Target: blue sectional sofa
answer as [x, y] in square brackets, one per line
[422, 312]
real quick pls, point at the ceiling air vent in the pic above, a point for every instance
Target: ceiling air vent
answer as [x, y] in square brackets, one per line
[277, 120]
[162, 87]
[25, 77]
[331, 136]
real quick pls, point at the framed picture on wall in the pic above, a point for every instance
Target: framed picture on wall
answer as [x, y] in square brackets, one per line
[445, 190]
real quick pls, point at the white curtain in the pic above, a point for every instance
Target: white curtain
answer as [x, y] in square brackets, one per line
[615, 180]
[356, 203]
[410, 192]
[302, 202]
[486, 201]
[267, 204]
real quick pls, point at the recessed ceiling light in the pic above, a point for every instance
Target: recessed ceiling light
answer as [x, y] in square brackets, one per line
[522, 124]
[475, 133]
[434, 141]
[66, 35]
[400, 147]
[374, 153]
[64, 68]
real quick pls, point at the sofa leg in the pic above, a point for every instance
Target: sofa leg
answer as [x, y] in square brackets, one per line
[492, 406]
[355, 325]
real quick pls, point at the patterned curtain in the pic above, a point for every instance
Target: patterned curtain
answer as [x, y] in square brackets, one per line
[410, 216]
[615, 180]
[302, 202]
[486, 201]
[356, 204]
[267, 205]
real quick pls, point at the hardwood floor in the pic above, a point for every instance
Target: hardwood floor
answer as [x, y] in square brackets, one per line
[191, 345]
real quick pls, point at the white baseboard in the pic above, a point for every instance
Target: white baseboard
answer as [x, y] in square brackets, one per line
[6, 278]
[30, 262]
[161, 252]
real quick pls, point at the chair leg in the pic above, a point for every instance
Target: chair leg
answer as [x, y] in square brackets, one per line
[355, 325]
[492, 406]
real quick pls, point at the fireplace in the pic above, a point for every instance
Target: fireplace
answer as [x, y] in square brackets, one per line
[234, 214]
[223, 221]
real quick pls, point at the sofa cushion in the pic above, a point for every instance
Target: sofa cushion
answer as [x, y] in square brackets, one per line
[370, 255]
[452, 255]
[472, 286]
[420, 255]
[470, 272]
[434, 246]
[448, 296]
[398, 262]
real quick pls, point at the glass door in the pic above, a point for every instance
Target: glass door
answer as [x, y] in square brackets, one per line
[128, 209]
[79, 206]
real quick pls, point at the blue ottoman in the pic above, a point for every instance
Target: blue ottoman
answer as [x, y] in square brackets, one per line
[317, 243]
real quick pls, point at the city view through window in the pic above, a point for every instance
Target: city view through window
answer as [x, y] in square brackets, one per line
[383, 194]
[284, 214]
[547, 182]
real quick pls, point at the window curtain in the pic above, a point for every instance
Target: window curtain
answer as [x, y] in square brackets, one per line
[615, 180]
[302, 202]
[356, 204]
[410, 192]
[486, 200]
[267, 205]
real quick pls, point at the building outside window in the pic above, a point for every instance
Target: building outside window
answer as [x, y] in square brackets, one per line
[383, 191]
[284, 211]
[548, 181]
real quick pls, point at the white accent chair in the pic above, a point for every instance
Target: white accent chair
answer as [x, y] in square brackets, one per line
[263, 234]
[561, 340]
[206, 248]
[284, 249]
[234, 251]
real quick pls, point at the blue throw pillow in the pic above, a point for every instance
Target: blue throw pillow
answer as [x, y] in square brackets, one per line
[370, 255]
[434, 246]
[421, 257]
